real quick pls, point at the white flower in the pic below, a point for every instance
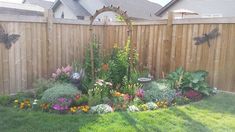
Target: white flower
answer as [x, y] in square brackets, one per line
[133, 108]
[101, 109]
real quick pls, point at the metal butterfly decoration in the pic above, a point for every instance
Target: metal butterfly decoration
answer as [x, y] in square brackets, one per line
[207, 37]
[8, 39]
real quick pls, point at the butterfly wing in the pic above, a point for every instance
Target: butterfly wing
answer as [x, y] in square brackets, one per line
[214, 33]
[13, 38]
[2, 31]
[2, 34]
[199, 40]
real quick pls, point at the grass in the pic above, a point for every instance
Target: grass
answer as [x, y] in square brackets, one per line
[215, 113]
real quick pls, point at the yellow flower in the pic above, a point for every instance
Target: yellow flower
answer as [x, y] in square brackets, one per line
[22, 105]
[85, 108]
[16, 101]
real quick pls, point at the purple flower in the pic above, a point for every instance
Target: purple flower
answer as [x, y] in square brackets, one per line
[56, 107]
[61, 100]
[140, 93]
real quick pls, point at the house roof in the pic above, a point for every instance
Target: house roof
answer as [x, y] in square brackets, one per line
[167, 6]
[74, 5]
[142, 9]
[20, 9]
[42, 3]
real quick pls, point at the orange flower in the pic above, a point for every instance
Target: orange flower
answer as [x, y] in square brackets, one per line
[117, 94]
[105, 67]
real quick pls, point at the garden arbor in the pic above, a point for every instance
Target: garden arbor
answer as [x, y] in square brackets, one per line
[127, 20]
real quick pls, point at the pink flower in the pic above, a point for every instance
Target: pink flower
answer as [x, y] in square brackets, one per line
[67, 69]
[140, 93]
[126, 97]
[58, 71]
[54, 75]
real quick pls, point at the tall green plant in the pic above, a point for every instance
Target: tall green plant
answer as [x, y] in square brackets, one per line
[97, 60]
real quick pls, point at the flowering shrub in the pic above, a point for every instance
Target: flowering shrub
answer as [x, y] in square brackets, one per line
[62, 74]
[133, 108]
[62, 105]
[102, 88]
[120, 100]
[59, 90]
[101, 109]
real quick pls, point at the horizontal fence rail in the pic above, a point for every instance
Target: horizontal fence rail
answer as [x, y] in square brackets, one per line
[46, 44]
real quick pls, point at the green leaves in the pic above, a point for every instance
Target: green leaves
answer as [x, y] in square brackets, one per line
[195, 80]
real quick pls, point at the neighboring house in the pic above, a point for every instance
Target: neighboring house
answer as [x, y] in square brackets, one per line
[204, 8]
[83, 9]
[20, 9]
[42, 3]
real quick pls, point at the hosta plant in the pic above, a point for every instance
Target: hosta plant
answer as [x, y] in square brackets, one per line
[184, 81]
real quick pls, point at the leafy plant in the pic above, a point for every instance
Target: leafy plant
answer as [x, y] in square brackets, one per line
[190, 80]
[5, 100]
[119, 63]
[58, 91]
[157, 92]
[82, 100]
[129, 87]
[87, 62]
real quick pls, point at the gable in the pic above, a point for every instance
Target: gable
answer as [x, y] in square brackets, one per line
[73, 6]
[202, 7]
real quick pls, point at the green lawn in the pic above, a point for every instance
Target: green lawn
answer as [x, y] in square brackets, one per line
[215, 113]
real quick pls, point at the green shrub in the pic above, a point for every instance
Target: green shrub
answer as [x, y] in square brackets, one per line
[83, 100]
[158, 92]
[41, 86]
[184, 81]
[59, 90]
[5, 100]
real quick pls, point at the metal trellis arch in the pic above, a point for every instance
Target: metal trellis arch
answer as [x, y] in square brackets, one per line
[127, 20]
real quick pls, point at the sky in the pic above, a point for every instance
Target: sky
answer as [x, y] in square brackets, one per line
[161, 2]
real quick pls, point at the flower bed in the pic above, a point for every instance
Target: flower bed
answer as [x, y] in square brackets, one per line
[72, 91]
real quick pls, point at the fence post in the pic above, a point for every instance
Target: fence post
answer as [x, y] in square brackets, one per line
[49, 15]
[167, 45]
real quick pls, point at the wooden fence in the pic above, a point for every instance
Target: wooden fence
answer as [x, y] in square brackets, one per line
[46, 44]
